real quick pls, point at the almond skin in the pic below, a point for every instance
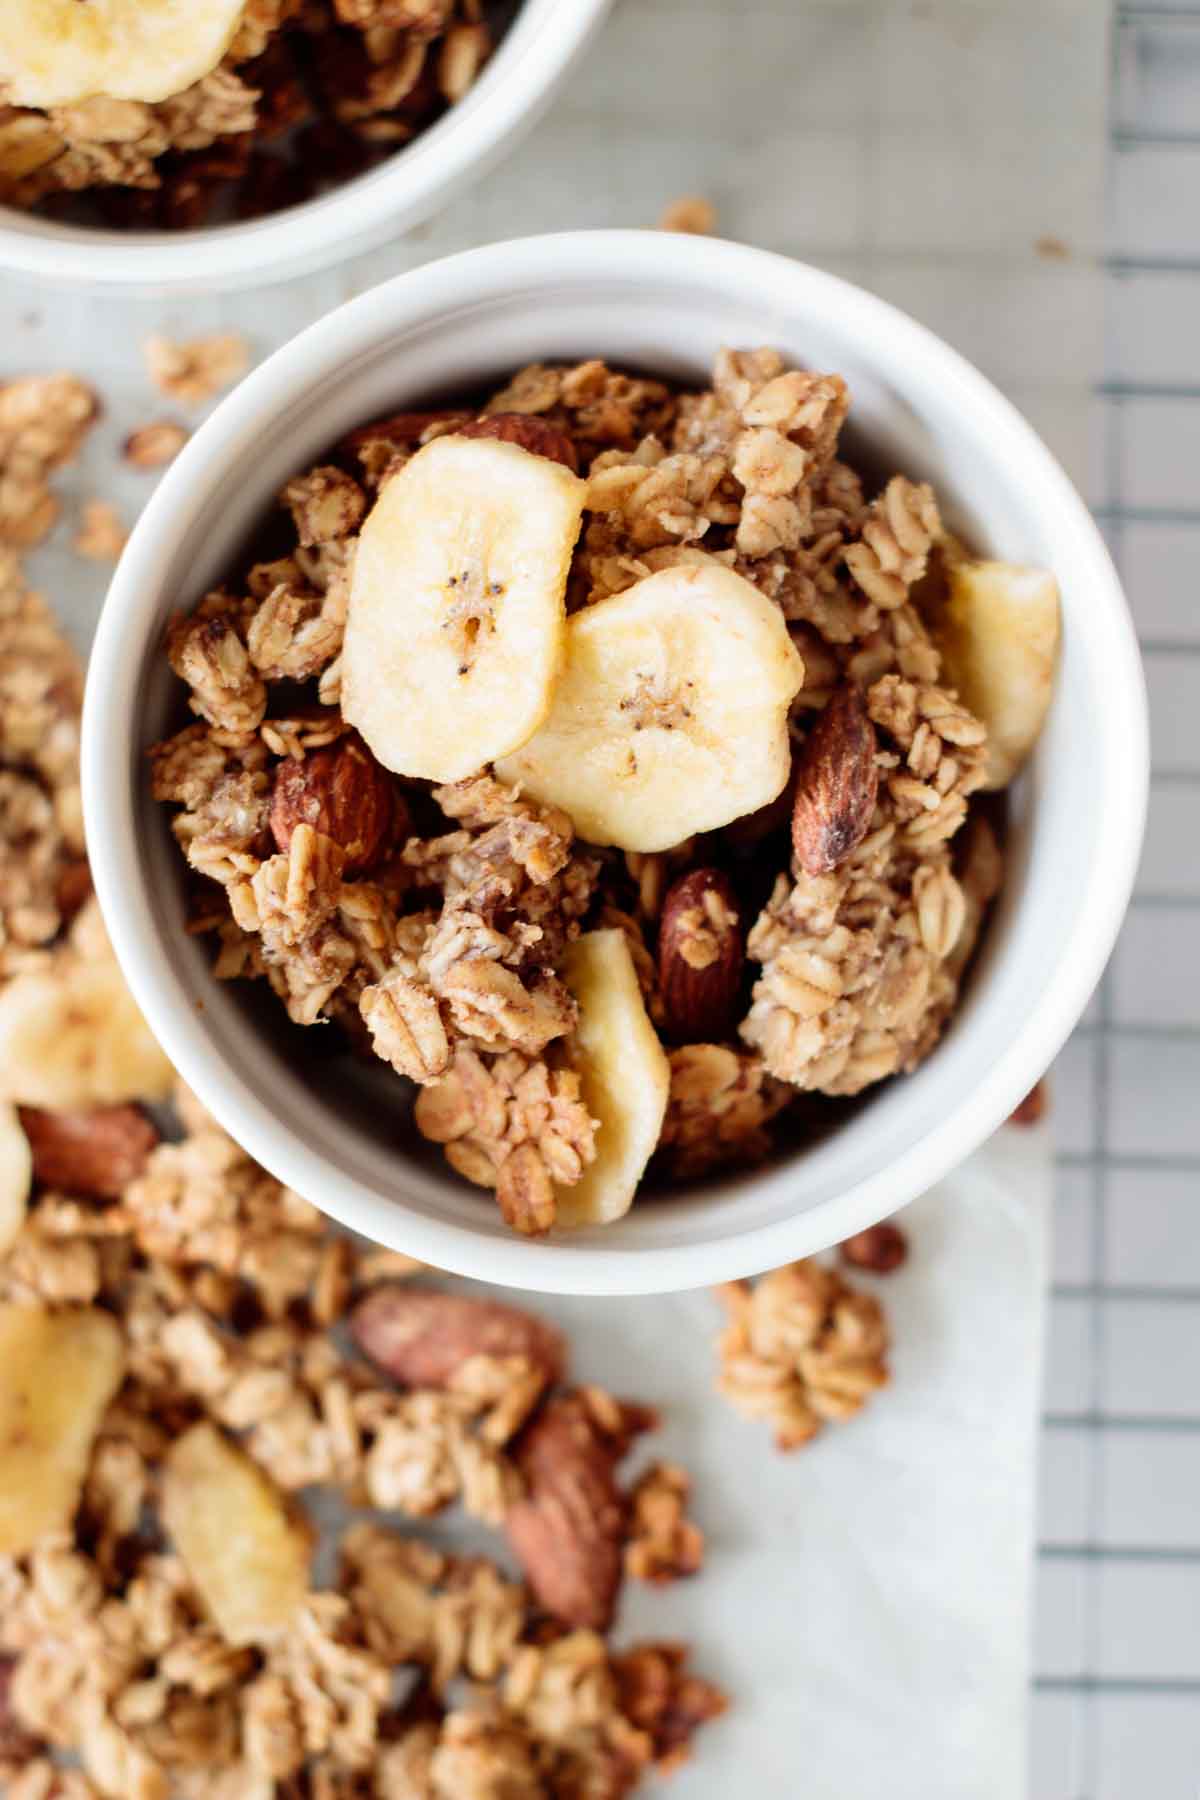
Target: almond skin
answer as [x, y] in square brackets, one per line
[343, 793]
[536, 435]
[700, 956]
[95, 1153]
[836, 784]
[422, 1338]
[404, 427]
[879, 1249]
[567, 1531]
[1032, 1108]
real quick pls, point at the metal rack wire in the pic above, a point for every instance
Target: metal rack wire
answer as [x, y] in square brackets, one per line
[1117, 1693]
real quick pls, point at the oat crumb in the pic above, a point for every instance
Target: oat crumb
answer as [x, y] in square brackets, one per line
[691, 213]
[153, 446]
[101, 536]
[193, 371]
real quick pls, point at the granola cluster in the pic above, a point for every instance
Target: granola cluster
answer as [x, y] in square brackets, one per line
[225, 1286]
[432, 921]
[309, 94]
[802, 1349]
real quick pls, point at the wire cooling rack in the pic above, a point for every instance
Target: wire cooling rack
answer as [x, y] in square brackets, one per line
[1117, 1693]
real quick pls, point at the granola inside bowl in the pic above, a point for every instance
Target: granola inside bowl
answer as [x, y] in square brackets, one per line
[148, 141]
[759, 912]
[731, 856]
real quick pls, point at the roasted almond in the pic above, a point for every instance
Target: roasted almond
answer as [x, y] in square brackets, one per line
[423, 1338]
[532, 433]
[567, 1531]
[700, 954]
[878, 1250]
[96, 1152]
[404, 427]
[343, 793]
[836, 782]
[1032, 1108]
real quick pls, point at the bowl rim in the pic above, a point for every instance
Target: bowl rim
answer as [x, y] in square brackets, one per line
[534, 56]
[109, 741]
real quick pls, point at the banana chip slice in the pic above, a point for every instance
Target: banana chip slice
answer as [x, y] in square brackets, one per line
[454, 637]
[57, 52]
[671, 714]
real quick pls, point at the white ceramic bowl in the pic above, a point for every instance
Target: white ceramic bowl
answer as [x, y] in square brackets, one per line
[665, 303]
[531, 62]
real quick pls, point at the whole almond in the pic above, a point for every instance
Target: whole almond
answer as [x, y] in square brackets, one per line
[567, 1530]
[343, 793]
[529, 431]
[700, 955]
[879, 1249]
[423, 1338]
[405, 427]
[836, 783]
[95, 1153]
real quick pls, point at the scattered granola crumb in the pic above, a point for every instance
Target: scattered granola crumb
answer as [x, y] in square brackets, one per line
[193, 371]
[1054, 249]
[663, 1543]
[802, 1349]
[101, 536]
[878, 1250]
[691, 213]
[43, 421]
[153, 446]
[1033, 1107]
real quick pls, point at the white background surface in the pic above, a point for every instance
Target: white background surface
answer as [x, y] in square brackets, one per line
[923, 148]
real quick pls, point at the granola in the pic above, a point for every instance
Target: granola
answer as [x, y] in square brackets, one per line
[309, 93]
[224, 1286]
[802, 1349]
[437, 919]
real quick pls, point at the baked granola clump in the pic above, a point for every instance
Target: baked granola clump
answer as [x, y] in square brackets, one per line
[802, 1349]
[308, 94]
[450, 945]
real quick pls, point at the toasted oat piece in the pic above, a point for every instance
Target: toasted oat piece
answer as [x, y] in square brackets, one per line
[193, 371]
[691, 213]
[153, 446]
[101, 536]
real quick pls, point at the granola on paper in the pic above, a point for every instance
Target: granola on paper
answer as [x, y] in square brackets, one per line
[307, 95]
[801, 1349]
[224, 1286]
[445, 944]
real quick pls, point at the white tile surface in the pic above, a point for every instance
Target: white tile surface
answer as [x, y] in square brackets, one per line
[1147, 1486]
[1154, 202]
[1057, 1738]
[1152, 1231]
[1061, 1619]
[1160, 450]
[1069, 1364]
[1147, 1621]
[1064, 1497]
[1072, 1224]
[1161, 566]
[1155, 972]
[1074, 1077]
[1154, 1110]
[1173, 683]
[1146, 1745]
[1152, 327]
[1170, 864]
[1148, 1359]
